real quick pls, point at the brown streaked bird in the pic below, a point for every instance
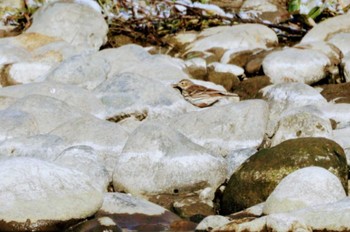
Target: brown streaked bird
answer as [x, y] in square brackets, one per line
[201, 96]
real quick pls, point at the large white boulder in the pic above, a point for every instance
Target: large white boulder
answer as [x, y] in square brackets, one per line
[16, 123]
[159, 159]
[301, 124]
[78, 24]
[74, 96]
[296, 65]
[35, 191]
[85, 159]
[341, 41]
[303, 188]
[212, 221]
[235, 38]
[106, 138]
[135, 59]
[40, 146]
[133, 94]
[32, 51]
[328, 28]
[47, 111]
[11, 53]
[339, 112]
[121, 203]
[224, 129]
[85, 71]
[286, 96]
[122, 58]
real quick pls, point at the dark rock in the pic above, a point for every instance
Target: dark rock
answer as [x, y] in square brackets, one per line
[133, 213]
[95, 225]
[191, 206]
[254, 64]
[199, 73]
[340, 93]
[250, 87]
[183, 225]
[228, 80]
[240, 58]
[261, 173]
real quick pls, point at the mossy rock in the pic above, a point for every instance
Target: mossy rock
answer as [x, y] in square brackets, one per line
[257, 177]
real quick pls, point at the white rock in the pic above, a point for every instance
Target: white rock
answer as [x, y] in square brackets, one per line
[28, 72]
[120, 203]
[52, 52]
[303, 188]
[30, 187]
[82, 27]
[6, 101]
[258, 224]
[213, 221]
[339, 112]
[91, 3]
[227, 68]
[12, 53]
[211, 9]
[246, 225]
[238, 38]
[327, 217]
[322, 217]
[224, 129]
[106, 138]
[151, 68]
[341, 41]
[35, 52]
[286, 223]
[333, 52]
[85, 159]
[296, 65]
[47, 111]
[129, 93]
[16, 123]
[299, 125]
[76, 97]
[120, 59]
[186, 37]
[286, 96]
[135, 59]
[159, 159]
[85, 71]
[41, 146]
[325, 29]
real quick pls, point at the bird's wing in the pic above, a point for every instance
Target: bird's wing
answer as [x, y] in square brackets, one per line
[203, 91]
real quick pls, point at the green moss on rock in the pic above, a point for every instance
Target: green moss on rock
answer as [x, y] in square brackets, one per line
[261, 173]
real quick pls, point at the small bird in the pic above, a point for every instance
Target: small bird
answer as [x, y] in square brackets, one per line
[201, 96]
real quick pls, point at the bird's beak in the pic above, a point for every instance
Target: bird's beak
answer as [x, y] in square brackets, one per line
[174, 85]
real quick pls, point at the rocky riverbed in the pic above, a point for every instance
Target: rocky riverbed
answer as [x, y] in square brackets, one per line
[98, 139]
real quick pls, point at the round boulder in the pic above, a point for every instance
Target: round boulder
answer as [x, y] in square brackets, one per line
[254, 181]
[37, 195]
[78, 24]
[303, 188]
[159, 159]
